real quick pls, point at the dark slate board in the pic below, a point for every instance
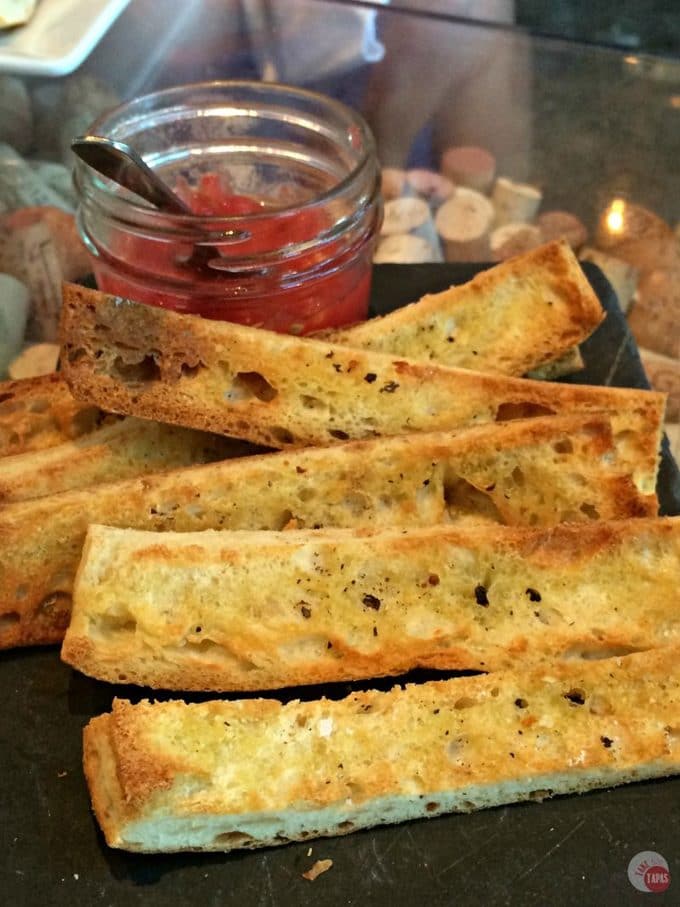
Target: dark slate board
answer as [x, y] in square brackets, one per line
[562, 852]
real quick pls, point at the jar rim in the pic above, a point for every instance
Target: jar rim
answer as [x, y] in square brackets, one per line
[128, 208]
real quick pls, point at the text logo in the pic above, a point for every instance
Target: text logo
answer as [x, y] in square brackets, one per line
[648, 871]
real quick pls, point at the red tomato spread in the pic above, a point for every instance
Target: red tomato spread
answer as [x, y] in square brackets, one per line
[293, 279]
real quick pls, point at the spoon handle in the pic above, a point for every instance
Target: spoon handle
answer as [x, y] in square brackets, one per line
[124, 166]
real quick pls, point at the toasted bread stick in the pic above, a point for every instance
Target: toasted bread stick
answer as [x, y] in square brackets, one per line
[229, 611]
[252, 773]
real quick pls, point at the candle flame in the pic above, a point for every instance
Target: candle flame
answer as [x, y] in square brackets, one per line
[615, 215]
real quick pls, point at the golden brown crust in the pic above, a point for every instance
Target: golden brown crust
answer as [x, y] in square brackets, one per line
[124, 449]
[253, 611]
[512, 319]
[539, 471]
[283, 391]
[36, 413]
[199, 777]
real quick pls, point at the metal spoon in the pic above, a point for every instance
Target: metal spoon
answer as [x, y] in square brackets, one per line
[121, 163]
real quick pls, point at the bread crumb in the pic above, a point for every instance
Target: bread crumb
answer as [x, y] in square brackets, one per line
[325, 727]
[309, 852]
[62, 774]
[317, 869]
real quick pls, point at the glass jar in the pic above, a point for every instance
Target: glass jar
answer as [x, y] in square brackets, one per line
[284, 186]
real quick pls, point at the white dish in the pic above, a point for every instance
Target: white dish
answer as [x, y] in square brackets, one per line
[59, 36]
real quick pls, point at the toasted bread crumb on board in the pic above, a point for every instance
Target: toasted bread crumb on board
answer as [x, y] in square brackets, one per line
[317, 869]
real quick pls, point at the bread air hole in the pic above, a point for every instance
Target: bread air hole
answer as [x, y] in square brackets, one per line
[248, 385]
[9, 621]
[310, 402]
[233, 839]
[673, 734]
[523, 410]
[113, 624]
[281, 436]
[599, 705]
[595, 653]
[142, 372]
[463, 498]
[190, 371]
[465, 702]
[590, 511]
[540, 794]
[564, 446]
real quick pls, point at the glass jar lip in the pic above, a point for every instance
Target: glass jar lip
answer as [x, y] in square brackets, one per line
[133, 209]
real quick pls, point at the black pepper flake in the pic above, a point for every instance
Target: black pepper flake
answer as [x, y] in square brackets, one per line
[426, 482]
[490, 487]
[576, 697]
[436, 712]
[306, 612]
[371, 601]
[433, 580]
[512, 755]
[375, 631]
[198, 629]
[389, 388]
[370, 377]
[521, 703]
[330, 645]
[450, 339]
[606, 742]
[534, 596]
[300, 470]
[481, 597]
[337, 366]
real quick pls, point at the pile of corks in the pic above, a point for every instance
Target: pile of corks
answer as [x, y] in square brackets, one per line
[466, 212]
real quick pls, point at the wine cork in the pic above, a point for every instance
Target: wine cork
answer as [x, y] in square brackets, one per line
[655, 316]
[464, 222]
[405, 248]
[85, 98]
[392, 183]
[402, 215]
[431, 186]
[637, 235]
[20, 185]
[623, 222]
[73, 256]
[673, 432]
[14, 303]
[30, 254]
[513, 239]
[664, 375]
[59, 178]
[622, 276]
[556, 225]
[469, 166]
[35, 360]
[16, 114]
[514, 202]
